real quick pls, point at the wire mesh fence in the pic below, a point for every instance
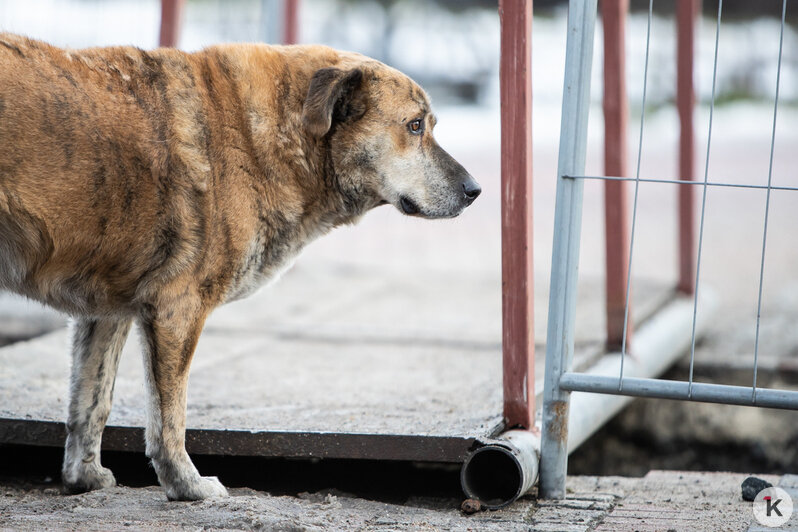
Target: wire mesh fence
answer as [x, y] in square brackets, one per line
[560, 380]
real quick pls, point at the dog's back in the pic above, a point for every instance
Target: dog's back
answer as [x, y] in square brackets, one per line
[93, 188]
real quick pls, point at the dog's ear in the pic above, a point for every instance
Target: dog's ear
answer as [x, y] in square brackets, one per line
[334, 95]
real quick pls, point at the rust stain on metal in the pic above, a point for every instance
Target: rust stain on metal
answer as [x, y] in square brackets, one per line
[559, 416]
[171, 15]
[291, 22]
[518, 303]
[616, 213]
[687, 12]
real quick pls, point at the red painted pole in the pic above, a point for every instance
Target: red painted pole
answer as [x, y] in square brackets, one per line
[686, 11]
[291, 20]
[171, 14]
[616, 219]
[518, 342]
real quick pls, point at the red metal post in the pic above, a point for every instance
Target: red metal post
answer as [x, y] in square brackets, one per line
[686, 11]
[291, 20]
[616, 219]
[518, 345]
[171, 15]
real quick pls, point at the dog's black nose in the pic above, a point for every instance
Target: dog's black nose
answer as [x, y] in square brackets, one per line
[471, 189]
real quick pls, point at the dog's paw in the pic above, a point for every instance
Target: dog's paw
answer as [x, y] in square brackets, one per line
[88, 478]
[196, 489]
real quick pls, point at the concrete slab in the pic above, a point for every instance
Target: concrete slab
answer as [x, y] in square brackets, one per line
[328, 362]
[21, 318]
[732, 340]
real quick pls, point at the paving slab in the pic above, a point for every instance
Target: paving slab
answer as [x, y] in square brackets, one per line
[675, 501]
[329, 362]
[788, 483]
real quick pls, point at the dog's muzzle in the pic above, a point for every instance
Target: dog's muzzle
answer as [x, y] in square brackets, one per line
[471, 190]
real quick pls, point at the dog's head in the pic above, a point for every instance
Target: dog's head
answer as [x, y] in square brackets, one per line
[379, 125]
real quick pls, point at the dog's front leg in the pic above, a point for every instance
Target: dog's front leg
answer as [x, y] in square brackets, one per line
[96, 347]
[170, 338]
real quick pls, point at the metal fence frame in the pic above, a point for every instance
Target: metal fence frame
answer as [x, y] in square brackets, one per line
[286, 25]
[560, 381]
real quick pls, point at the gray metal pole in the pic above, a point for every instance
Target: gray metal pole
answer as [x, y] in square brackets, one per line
[699, 391]
[565, 253]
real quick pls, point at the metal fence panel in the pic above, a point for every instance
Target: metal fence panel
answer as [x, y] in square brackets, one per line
[565, 253]
[559, 380]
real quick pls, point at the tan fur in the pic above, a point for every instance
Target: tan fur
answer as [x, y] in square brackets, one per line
[158, 185]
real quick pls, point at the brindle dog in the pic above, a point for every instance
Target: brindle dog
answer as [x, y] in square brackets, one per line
[155, 186]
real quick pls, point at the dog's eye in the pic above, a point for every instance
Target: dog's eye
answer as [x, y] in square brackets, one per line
[416, 127]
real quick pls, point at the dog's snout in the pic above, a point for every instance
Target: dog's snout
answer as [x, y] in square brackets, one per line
[471, 189]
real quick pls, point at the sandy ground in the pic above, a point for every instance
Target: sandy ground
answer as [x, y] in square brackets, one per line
[660, 501]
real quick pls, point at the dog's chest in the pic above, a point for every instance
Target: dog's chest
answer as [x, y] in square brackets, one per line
[262, 264]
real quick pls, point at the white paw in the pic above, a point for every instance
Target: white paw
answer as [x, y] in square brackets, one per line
[195, 489]
[88, 477]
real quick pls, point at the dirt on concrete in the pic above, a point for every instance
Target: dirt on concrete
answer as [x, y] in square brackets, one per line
[660, 501]
[146, 508]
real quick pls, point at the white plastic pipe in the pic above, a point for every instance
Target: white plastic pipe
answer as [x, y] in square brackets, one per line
[504, 469]
[658, 344]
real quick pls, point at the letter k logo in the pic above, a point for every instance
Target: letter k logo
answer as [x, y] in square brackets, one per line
[772, 506]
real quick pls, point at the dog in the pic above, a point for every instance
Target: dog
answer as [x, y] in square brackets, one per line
[154, 186]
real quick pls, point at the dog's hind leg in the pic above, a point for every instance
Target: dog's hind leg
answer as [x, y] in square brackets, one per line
[96, 347]
[170, 338]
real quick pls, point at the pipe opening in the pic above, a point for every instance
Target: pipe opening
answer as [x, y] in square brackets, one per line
[493, 476]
